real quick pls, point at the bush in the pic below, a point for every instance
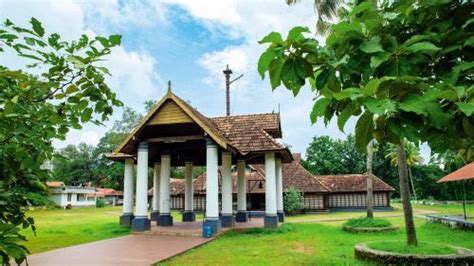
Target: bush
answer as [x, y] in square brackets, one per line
[38, 199]
[367, 222]
[293, 201]
[99, 203]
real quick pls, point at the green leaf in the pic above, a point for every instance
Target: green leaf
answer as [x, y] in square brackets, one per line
[86, 114]
[274, 71]
[380, 107]
[423, 47]
[466, 108]
[345, 115]
[14, 99]
[364, 131]
[264, 61]
[372, 46]
[319, 108]
[372, 86]
[469, 42]
[295, 34]
[71, 89]
[352, 93]
[377, 59]
[272, 37]
[413, 103]
[361, 8]
[37, 27]
[293, 75]
[115, 40]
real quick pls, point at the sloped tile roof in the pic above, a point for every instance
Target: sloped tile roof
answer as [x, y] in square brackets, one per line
[352, 183]
[464, 173]
[55, 184]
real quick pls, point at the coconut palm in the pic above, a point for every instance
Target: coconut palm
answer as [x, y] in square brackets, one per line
[413, 157]
[326, 10]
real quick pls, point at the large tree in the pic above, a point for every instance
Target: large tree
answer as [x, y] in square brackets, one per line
[402, 68]
[74, 165]
[62, 87]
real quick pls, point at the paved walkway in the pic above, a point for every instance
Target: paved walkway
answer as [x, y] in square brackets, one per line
[127, 250]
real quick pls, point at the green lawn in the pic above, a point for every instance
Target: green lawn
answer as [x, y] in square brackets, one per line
[58, 228]
[423, 248]
[308, 243]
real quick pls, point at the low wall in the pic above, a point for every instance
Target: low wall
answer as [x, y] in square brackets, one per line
[453, 221]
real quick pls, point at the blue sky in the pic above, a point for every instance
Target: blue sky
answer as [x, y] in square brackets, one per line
[189, 43]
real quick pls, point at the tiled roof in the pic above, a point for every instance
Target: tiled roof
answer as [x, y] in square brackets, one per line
[249, 133]
[351, 183]
[108, 192]
[466, 172]
[55, 184]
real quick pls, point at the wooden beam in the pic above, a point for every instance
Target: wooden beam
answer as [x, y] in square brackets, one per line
[176, 139]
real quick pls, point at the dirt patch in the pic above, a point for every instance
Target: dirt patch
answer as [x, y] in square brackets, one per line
[302, 248]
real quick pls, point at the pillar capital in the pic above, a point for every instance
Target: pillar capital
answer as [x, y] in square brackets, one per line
[143, 145]
[210, 142]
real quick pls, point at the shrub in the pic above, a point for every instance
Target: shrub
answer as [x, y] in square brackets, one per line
[367, 222]
[293, 201]
[100, 203]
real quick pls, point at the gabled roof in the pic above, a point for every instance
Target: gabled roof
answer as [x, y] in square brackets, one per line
[55, 184]
[193, 114]
[352, 183]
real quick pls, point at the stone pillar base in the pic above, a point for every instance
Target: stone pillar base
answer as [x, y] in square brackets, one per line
[154, 215]
[271, 221]
[227, 220]
[140, 224]
[242, 216]
[189, 216]
[215, 224]
[281, 216]
[165, 220]
[126, 219]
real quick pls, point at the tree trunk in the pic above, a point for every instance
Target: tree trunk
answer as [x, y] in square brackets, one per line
[405, 195]
[412, 184]
[370, 182]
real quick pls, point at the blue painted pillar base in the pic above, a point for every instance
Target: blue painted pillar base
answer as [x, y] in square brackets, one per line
[140, 224]
[126, 219]
[271, 221]
[242, 216]
[165, 220]
[215, 225]
[189, 216]
[281, 216]
[227, 220]
[154, 215]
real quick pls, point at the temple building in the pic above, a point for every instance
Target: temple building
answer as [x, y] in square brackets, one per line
[320, 192]
[176, 134]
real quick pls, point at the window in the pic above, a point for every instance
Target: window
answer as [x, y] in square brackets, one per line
[78, 197]
[69, 196]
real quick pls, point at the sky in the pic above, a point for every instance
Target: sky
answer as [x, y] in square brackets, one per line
[188, 43]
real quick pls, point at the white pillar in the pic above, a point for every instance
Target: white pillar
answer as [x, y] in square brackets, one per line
[212, 188]
[279, 189]
[127, 215]
[227, 214]
[156, 192]
[141, 221]
[271, 219]
[242, 215]
[188, 197]
[165, 218]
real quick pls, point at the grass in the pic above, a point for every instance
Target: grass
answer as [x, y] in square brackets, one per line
[58, 228]
[308, 243]
[423, 248]
[367, 222]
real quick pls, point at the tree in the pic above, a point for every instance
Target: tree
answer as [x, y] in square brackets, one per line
[407, 63]
[370, 181]
[413, 157]
[293, 201]
[326, 10]
[67, 90]
[75, 165]
[325, 155]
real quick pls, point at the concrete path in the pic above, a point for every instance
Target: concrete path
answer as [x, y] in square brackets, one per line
[127, 250]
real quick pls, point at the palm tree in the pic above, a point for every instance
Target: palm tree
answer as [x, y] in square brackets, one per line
[413, 157]
[370, 181]
[326, 10]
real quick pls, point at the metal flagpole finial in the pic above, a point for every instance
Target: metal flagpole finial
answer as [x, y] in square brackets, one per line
[169, 86]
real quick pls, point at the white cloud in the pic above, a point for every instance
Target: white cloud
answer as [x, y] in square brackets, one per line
[135, 77]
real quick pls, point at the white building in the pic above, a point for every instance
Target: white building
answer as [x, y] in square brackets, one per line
[71, 196]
